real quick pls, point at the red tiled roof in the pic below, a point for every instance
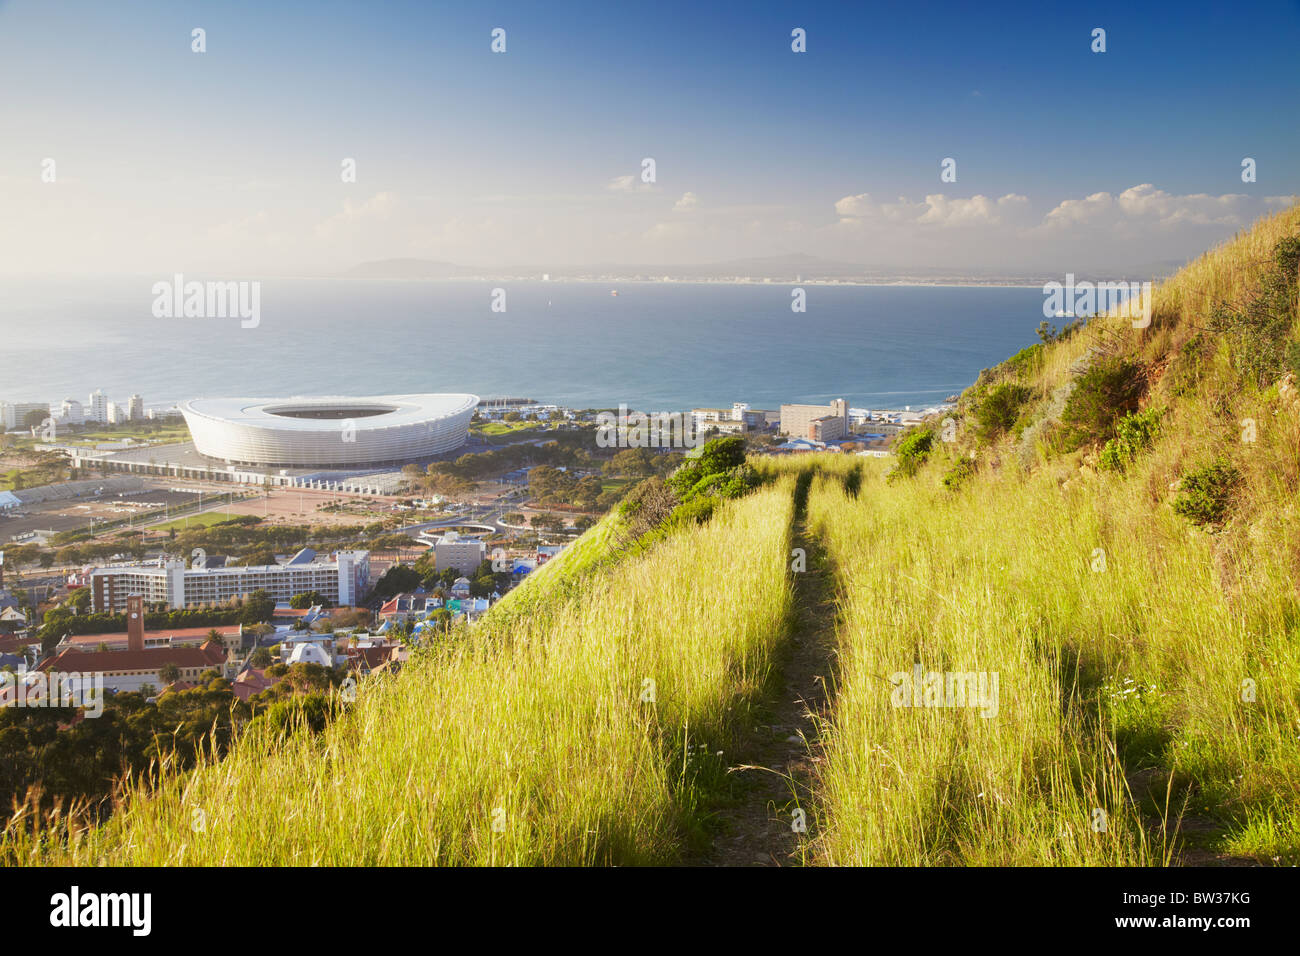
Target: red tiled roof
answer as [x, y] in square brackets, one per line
[10, 643]
[182, 633]
[210, 654]
[251, 681]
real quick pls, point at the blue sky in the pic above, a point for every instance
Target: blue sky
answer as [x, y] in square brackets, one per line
[229, 159]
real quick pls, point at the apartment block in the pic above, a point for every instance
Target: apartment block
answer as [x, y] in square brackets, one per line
[816, 422]
[342, 579]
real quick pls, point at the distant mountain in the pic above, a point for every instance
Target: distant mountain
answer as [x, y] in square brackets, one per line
[410, 269]
[789, 267]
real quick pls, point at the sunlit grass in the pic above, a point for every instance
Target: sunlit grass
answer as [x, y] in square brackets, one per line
[575, 737]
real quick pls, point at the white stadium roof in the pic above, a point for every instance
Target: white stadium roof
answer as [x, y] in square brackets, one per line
[330, 430]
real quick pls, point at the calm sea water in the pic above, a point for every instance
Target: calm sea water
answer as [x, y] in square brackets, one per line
[655, 346]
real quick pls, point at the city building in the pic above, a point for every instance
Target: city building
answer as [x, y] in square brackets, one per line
[329, 431]
[231, 639]
[97, 407]
[135, 408]
[453, 551]
[71, 412]
[816, 422]
[736, 420]
[342, 579]
[13, 415]
[138, 666]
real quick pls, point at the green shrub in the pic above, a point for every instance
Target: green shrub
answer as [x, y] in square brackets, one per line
[719, 455]
[1133, 433]
[911, 452]
[1260, 333]
[1108, 390]
[1205, 495]
[962, 469]
[1025, 362]
[999, 409]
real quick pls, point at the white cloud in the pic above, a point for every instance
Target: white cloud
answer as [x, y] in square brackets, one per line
[378, 206]
[688, 202]
[628, 184]
[935, 210]
[1145, 205]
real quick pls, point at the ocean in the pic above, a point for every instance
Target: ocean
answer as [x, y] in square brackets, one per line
[655, 346]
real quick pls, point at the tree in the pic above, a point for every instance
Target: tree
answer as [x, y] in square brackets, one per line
[260, 658]
[398, 578]
[169, 673]
[633, 462]
[258, 607]
[80, 599]
[547, 522]
[308, 599]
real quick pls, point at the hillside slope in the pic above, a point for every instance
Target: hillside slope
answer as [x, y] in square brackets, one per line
[1108, 524]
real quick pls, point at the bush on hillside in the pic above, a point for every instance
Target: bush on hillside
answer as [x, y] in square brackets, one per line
[1205, 494]
[911, 452]
[1133, 433]
[962, 469]
[1108, 390]
[1025, 362]
[690, 494]
[1260, 333]
[999, 409]
[647, 505]
[718, 456]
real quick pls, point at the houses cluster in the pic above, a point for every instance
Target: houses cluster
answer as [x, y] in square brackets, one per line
[496, 409]
[417, 609]
[166, 660]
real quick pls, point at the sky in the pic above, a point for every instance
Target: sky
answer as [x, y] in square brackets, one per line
[230, 161]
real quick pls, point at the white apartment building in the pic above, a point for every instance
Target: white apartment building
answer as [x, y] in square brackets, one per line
[342, 580]
[135, 408]
[453, 551]
[71, 412]
[97, 406]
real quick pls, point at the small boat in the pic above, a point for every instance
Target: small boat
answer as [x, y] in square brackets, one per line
[613, 292]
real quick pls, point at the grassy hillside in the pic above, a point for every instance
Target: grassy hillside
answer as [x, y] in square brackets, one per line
[1091, 565]
[1111, 525]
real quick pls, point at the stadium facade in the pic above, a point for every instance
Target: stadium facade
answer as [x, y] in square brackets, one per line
[329, 431]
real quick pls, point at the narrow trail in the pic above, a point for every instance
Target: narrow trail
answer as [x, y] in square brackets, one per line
[782, 749]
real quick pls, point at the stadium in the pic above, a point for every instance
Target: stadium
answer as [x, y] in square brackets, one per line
[329, 431]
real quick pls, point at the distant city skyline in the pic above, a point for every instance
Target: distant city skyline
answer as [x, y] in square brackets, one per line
[233, 161]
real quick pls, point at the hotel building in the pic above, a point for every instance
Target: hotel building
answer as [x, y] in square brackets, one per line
[342, 580]
[816, 422]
